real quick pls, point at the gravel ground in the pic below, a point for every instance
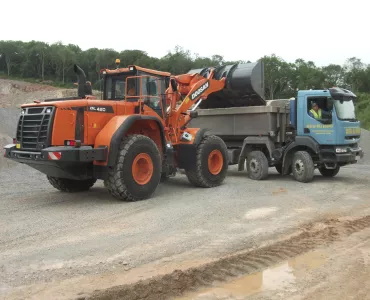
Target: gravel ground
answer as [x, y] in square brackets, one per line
[49, 237]
[55, 245]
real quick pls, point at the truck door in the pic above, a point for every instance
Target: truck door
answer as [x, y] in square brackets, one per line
[318, 125]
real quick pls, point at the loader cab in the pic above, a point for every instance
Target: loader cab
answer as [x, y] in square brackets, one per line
[137, 85]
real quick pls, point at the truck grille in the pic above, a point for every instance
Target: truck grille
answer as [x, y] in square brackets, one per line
[34, 127]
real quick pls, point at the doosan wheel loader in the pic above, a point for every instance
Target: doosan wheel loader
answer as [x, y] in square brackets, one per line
[134, 137]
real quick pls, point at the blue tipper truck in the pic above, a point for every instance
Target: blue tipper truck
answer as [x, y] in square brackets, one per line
[282, 133]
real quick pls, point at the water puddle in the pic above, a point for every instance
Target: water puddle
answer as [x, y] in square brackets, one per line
[279, 277]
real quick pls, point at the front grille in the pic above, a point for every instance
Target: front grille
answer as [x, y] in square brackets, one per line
[34, 128]
[352, 137]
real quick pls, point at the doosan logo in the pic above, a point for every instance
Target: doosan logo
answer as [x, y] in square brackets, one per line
[199, 91]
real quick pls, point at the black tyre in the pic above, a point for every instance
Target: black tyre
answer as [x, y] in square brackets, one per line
[329, 172]
[279, 168]
[211, 163]
[138, 169]
[302, 166]
[70, 185]
[257, 165]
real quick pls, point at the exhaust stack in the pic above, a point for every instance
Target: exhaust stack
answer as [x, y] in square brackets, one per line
[244, 86]
[84, 87]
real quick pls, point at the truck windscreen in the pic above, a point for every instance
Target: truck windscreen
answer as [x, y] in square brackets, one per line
[345, 110]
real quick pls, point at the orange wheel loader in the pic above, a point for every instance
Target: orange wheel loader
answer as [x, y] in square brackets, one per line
[133, 138]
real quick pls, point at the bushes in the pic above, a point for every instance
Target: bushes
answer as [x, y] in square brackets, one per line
[362, 106]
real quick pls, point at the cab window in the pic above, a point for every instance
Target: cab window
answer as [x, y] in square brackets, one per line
[320, 109]
[115, 87]
[150, 90]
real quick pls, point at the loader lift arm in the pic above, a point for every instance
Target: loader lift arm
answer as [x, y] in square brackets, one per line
[192, 88]
[235, 85]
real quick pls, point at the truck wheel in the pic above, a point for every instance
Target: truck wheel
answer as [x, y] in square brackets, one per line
[329, 172]
[257, 165]
[211, 163]
[137, 172]
[303, 167]
[70, 185]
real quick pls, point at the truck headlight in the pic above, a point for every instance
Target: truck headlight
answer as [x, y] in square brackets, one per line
[23, 111]
[341, 150]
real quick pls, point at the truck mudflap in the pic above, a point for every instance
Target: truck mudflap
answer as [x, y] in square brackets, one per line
[64, 161]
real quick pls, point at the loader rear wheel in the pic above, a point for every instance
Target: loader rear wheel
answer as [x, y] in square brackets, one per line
[70, 185]
[211, 163]
[303, 166]
[137, 172]
[257, 165]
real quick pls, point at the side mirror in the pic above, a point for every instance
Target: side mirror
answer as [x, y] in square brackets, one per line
[173, 84]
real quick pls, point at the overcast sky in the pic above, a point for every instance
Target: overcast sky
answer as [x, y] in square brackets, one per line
[324, 31]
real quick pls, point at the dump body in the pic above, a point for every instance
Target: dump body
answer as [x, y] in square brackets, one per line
[236, 123]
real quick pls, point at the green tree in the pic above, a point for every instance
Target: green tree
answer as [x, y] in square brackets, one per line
[9, 50]
[277, 76]
[334, 75]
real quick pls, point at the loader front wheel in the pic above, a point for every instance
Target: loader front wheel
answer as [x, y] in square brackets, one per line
[211, 163]
[137, 172]
[70, 185]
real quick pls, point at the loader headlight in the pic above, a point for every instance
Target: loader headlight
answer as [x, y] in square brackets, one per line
[48, 110]
[23, 111]
[340, 150]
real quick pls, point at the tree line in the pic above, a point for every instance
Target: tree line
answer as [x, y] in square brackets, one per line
[54, 63]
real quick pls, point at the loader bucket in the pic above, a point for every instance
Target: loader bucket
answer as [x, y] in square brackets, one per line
[244, 86]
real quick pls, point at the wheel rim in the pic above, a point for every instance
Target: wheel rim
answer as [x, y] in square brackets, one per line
[299, 167]
[254, 165]
[215, 162]
[142, 168]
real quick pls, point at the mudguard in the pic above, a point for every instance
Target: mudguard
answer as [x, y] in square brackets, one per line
[248, 143]
[300, 142]
[187, 151]
[120, 125]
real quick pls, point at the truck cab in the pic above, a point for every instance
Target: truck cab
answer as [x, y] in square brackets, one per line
[334, 128]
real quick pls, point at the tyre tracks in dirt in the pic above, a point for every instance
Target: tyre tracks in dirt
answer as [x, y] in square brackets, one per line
[178, 282]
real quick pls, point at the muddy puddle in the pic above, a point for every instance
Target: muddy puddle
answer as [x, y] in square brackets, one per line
[281, 277]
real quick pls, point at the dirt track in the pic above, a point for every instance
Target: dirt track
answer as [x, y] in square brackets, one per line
[338, 268]
[62, 246]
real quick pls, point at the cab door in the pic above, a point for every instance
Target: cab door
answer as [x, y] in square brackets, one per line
[322, 130]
